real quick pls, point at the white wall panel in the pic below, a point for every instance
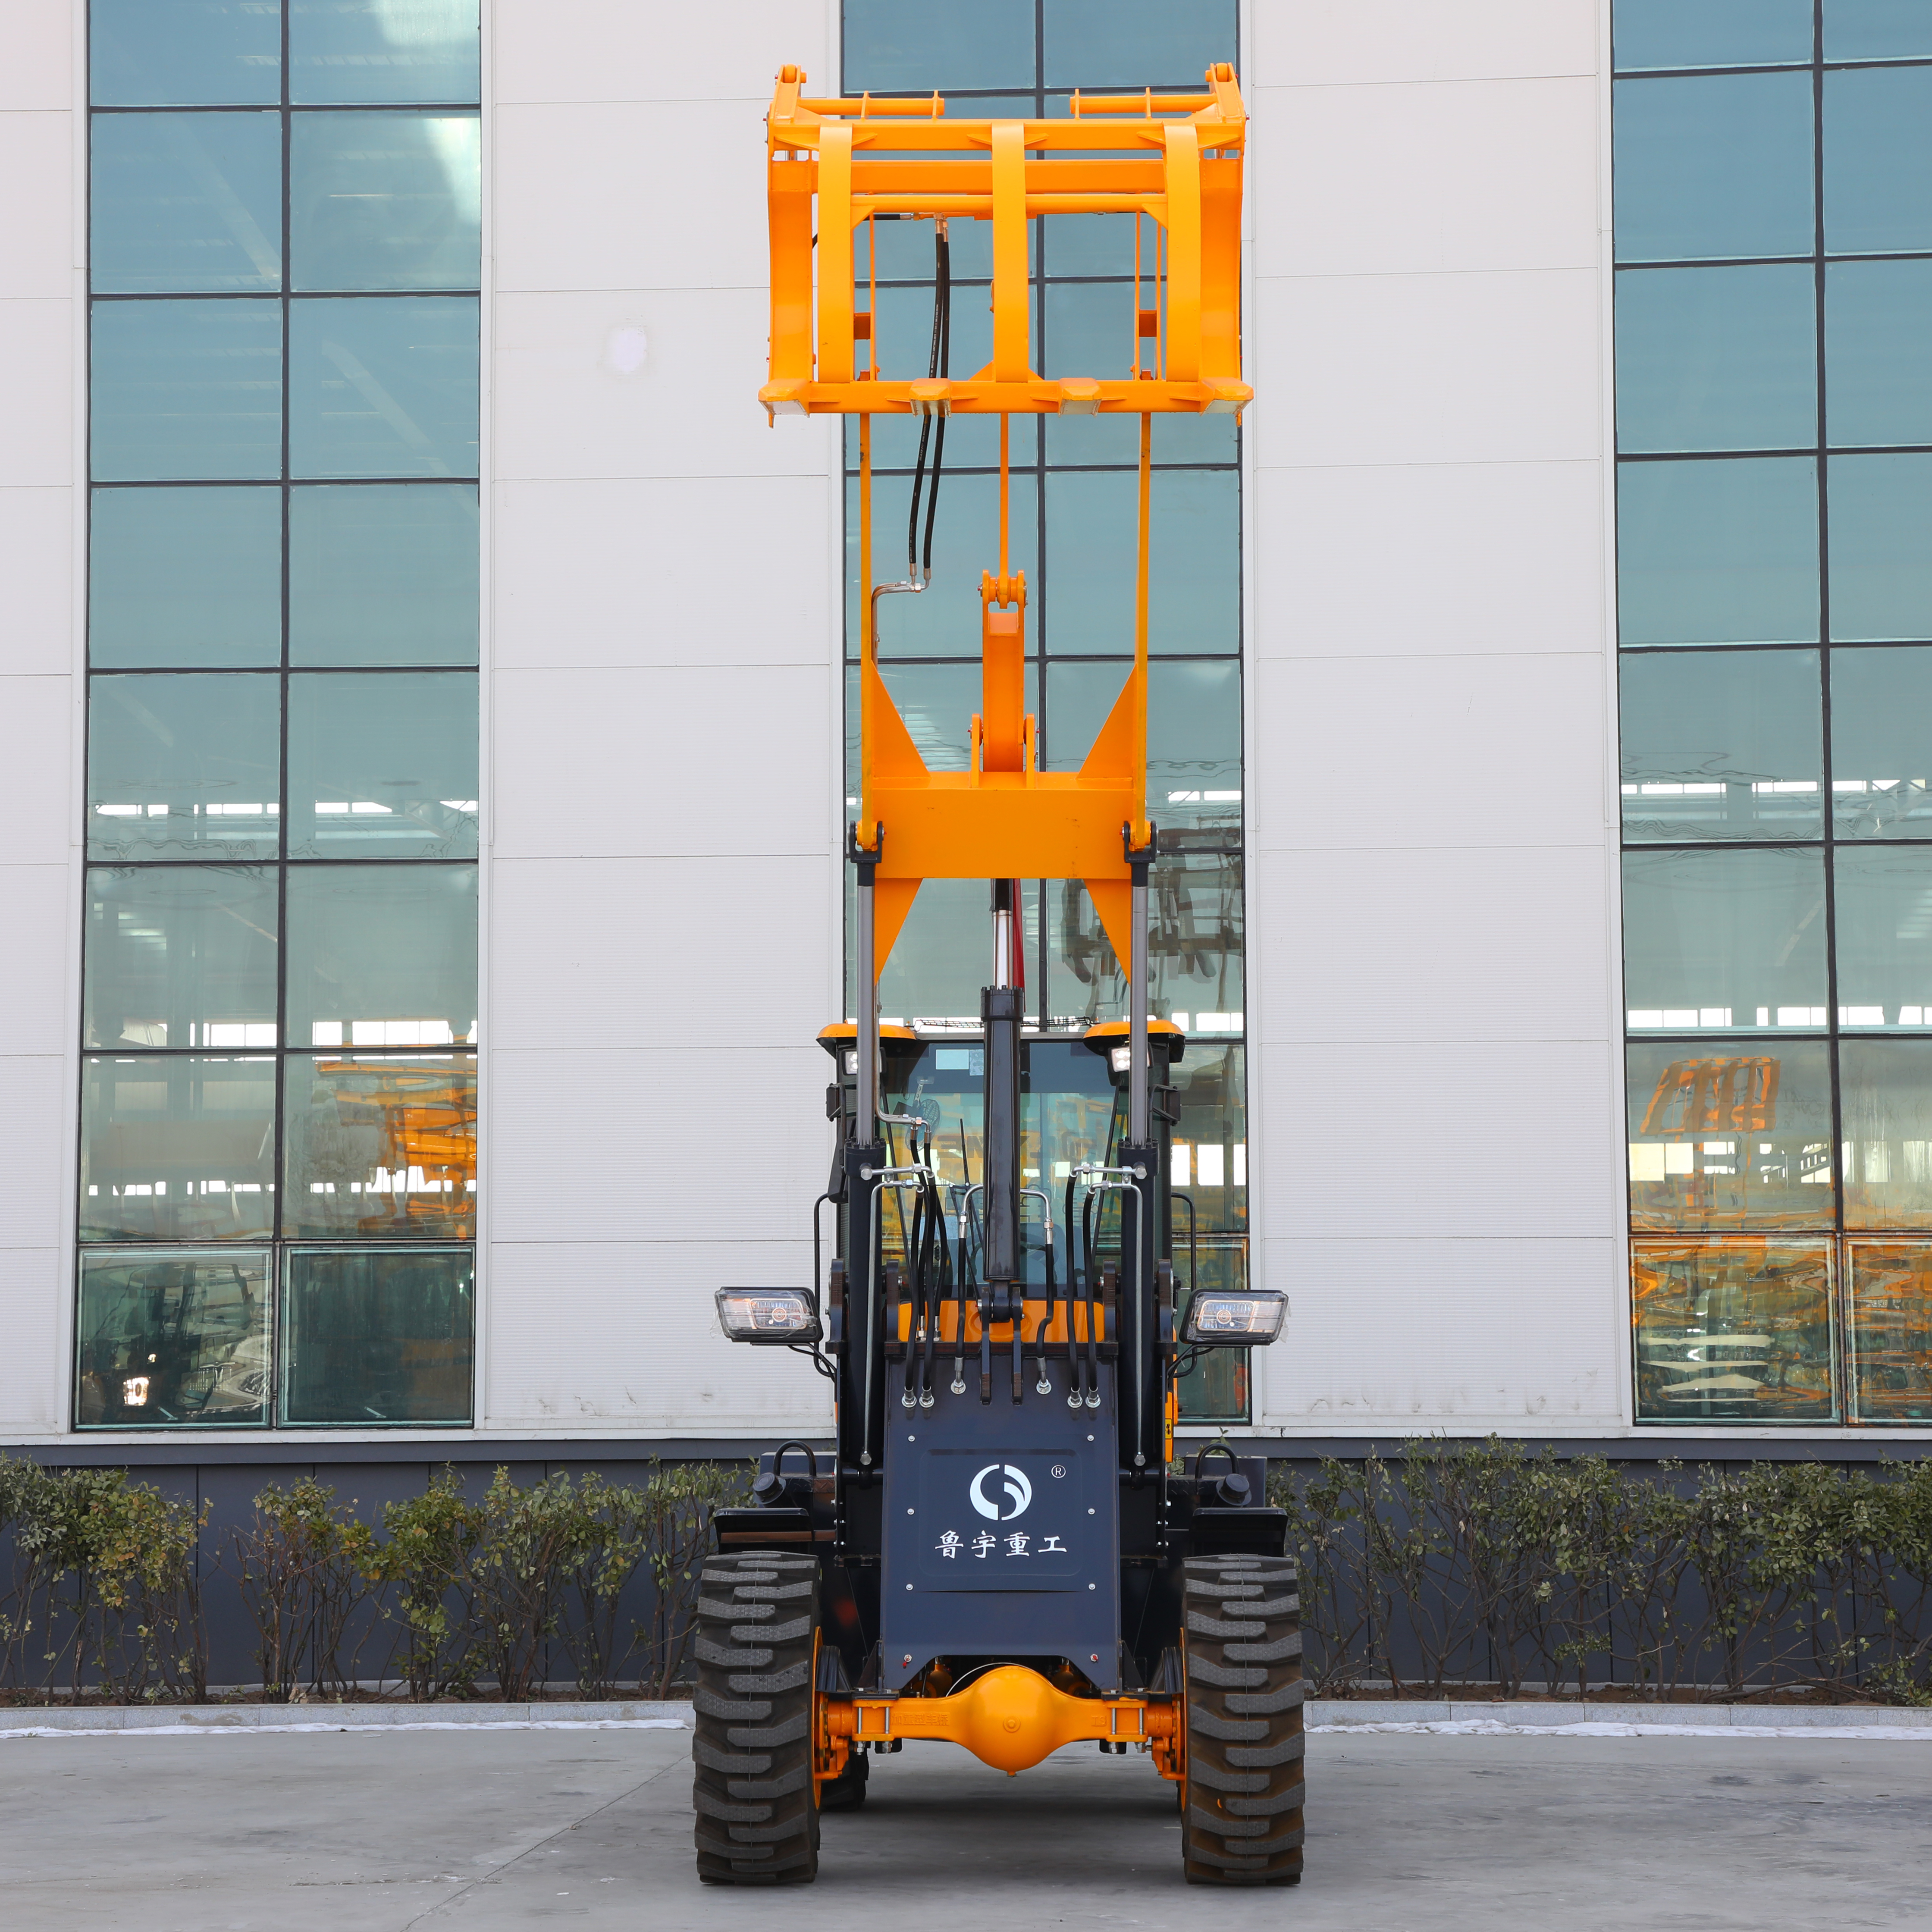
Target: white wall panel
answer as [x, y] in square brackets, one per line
[37, 165]
[1439, 368]
[692, 1141]
[1394, 1335]
[594, 50]
[33, 1383]
[1402, 559]
[1501, 944]
[36, 569]
[624, 1335]
[37, 956]
[1409, 178]
[602, 196]
[570, 404]
[635, 953]
[676, 761]
[1382, 1139]
[37, 61]
[715, 570]
[36, 797]
[35, 1209]
[37, 356]
[1327, 42]
[1428, 751]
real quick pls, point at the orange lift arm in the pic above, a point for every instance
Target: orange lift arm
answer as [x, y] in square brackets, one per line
[1174, 162]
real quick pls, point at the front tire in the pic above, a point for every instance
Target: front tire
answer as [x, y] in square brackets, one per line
[1241, 1818]
[756, 1642]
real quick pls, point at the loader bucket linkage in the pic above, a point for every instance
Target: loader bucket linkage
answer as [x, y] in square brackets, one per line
[1000, 1552]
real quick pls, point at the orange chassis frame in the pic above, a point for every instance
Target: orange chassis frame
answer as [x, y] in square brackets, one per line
[833, 166]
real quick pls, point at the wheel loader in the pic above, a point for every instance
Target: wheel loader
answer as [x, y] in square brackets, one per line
[999, 1551]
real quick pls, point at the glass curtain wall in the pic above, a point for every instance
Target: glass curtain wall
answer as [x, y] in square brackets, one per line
[1074, 534]
[1773, 365]
[276, 1206]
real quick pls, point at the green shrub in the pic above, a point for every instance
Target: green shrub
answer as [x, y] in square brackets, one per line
[300, 1569]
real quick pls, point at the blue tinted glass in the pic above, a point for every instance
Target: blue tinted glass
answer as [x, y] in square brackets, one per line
[1194, 570]
[937, 702]
[1194, 732]
[1717, 358]
[188, 577]
[180, 955]
[1090, 331]
[375, 1336]
[381, 955]
[1096, 43]
[1878, 159]
[914, 45]
[1877, 29]
[1721, 745]
[179, 1147]
[1714, 166]
[1723, 941]
[1881, 562]
[383, 387]
[187, 202]
[1710, 33]
[384, 201]
[894, 251]
[354, 50]
[1878, 352]
[943, 621]
[382, 767]
[1882, 742]
[186, 389]
[1884, 938]
[382, 573]
[1724, 553]
[190, 53]
[1096, 244]
[183, 767]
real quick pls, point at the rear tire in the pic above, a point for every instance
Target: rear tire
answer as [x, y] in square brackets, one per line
[1241, 1817]
[756, 1645]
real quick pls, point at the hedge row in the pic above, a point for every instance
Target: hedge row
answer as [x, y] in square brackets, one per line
[108, 1582]
[1449, 1564]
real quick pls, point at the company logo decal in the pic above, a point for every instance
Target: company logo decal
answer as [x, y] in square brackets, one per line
[1017, 1491]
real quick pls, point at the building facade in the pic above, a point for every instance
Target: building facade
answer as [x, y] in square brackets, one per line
[425, 689]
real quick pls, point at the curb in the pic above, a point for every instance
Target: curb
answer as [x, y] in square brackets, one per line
[175, 1719]
[1323, 1715]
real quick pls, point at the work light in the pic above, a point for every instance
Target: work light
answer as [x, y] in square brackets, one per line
[1249, 1320]
[768, 1315]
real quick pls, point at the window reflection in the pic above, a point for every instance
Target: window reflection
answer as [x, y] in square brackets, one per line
[1669, 33]
[1883, 917]
[1881, 751]
[351, 50]
[381, 955]
[184, 767]
[1097, 43]
[177, 1147]
[1721, 1140]
[1727, 746]
[382, 1146]
[1734, 1331]
[1885, 1109]
[185, 577]
[383, 386]
[186, 390]
[1713, 166]
[1723, 941]
[1878, 361]
[187, 202]
[1878, 159]
[900, 45]
[382, 573]
[382, 765]
[1881, 565]
[180, 955]
[376, 1337]
[150, 53]
[179, 1339]
[1889, 1317]
[384, 201]
[1718, 553]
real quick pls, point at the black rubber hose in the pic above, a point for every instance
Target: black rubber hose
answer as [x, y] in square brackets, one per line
[938, 363]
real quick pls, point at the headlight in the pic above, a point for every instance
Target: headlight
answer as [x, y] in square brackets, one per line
[768, 1315]
[1249, 1320]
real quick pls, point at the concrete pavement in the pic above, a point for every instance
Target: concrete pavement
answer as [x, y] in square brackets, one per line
[380, 1831]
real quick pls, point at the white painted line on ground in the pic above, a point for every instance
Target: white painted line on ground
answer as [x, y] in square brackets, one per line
[384, 1730]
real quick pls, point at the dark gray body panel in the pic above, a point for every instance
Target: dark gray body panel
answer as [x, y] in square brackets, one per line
[1001, 1529]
